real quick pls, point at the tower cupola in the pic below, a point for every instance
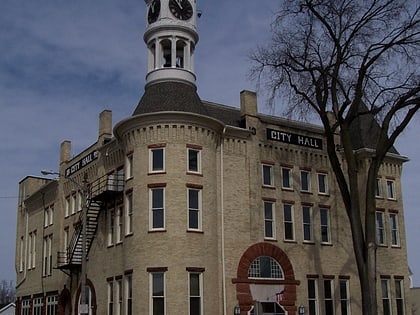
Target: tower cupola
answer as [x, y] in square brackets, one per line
[171, 37]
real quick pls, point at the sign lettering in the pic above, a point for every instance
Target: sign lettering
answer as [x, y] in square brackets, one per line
[86, 160]
[293, 138]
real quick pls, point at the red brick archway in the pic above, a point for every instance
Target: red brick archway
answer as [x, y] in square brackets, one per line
[243, 291]
[64, 302]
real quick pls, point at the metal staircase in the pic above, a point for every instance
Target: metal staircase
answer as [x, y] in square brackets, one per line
[100, 191]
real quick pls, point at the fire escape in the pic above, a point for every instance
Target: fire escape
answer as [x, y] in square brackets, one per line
[104, 189]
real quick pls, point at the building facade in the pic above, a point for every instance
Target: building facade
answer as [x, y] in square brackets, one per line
[192, 207]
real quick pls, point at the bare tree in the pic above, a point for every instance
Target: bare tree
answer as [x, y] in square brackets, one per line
[346, 61]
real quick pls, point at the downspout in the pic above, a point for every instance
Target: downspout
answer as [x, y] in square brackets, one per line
[223, 223]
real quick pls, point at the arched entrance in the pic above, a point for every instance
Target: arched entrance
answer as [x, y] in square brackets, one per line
[265, 277]
[90, 298]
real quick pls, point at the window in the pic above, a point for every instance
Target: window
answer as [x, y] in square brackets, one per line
[119, 224]
[265, 267]
[386, 302]
[158, 293]
[328, 297]
[129, 166]
[380, 228]
[52, 302]
[325, 225]
[390, 186]
[49, 216]
[37, 306]
[194, 160]
[378, 188]
[111, 222]
[344, 297]
[289, 233]
[129, 213]
[312, 297]
[110, 297]
[305, 181]
[269, 220]
[267, 172]
[79, 201]
[307, 224]
[157, 160]
[395, 233]
[31, 250]
[286, 178]
[26, 307]
[67, 207]
[129, 294]
[270, 308]
[399, 296]
[157, 208]
[73, 203]
[22, 256]
[47, 257]
[322, 183]
[119, 297]
[194, 209]
[195, 293]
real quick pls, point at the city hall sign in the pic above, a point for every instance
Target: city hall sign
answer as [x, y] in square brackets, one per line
[293, 138]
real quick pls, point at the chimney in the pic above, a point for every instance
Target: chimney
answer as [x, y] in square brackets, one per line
[248, 103]
[65, 151]
[105, 125]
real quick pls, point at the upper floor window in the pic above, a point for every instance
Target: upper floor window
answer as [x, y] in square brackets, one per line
[305, 181]
[157, 208]
[307, 224]
[157, 290]
[194, 209]
[390, 186]
[49, 216]
[195, 293]
[399, 296]
[386, 300]
[395, 231]
[157, 158]
[269, 220]
[380, 228]
[129, 166]
[378, 188]
[267, 175]
[322, 183]
[329, 297]
[325, 225]
[288, 220]
[129, 213]
[286, 178]
[312, 296]
[194, 159]
[265, 267]
[128, 294]
[67, 207]
[344, 297]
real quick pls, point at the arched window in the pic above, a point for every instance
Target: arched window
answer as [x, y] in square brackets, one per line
[166, 53]
[180, 53]
[265, 267]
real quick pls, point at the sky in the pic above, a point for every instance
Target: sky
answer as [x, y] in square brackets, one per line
[63, 62]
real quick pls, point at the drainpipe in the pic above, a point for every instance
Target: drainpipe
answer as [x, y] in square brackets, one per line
[223, 223]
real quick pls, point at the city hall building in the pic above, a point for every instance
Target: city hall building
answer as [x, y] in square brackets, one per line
[192, 207]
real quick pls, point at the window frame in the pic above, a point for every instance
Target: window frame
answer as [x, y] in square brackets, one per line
[324, 186]
[344, 296]
[386, 297]
[111, 225]
[128, 213]
[324, 226]
[264, 168]
[308, 224]
[197, 159]
[152, 295]
[380, 228]
[119, 224]
[307, 189]
[329, 297]
[129, 160]
[128, 296]
[269, 221]
[289, 224]
[390, 189]
[156, 169]
[378, 188]
[287, 176]
[153, 208]
[200, 293]
[110, 295]
[198, 210]
[394, 229]
[399, 296]
[313, 304]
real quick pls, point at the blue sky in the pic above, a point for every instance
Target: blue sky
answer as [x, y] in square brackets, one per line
[62, 62]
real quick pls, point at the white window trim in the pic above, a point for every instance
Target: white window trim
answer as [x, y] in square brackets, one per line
[380, 229]
[271, 168]
[198, 171]
[395, 229]
[292, 222]
[392, 196]
[129, 213]
[151, 228]
[199, 210]
[129, 160]
[273, 220]
[347, 297]
[325, 175]
[110, 295]
[200, 279]
[311, 225]
[151, 291]
[316, 297]
[378, 188]
[328, 224]
[290, 187]
[151, 150]
[308, 179]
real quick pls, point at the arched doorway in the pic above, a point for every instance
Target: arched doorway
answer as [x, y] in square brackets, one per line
[64, 302]
[90, 295]
[265, 278]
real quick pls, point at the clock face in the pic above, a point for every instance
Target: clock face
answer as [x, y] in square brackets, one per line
[181, 9]
[154, 11]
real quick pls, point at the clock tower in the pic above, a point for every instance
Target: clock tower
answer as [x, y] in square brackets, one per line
[171, 37]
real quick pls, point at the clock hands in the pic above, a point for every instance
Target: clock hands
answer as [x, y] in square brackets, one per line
[178, 2]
